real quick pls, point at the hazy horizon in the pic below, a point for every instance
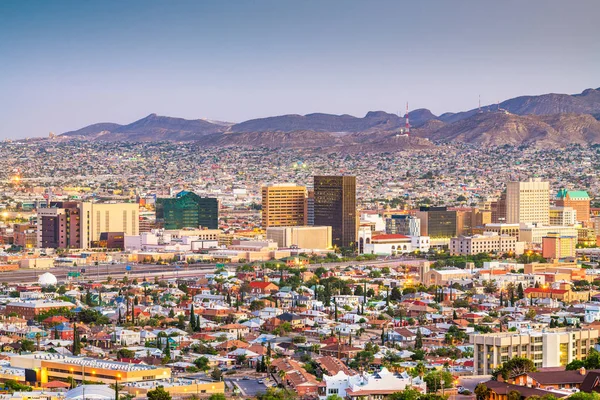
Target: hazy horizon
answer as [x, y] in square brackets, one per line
[69, 64]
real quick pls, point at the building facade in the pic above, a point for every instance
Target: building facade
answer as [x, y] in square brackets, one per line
[579, 200]
[562, 216]
[335, 206]
[438, 222]
[187, 210]
[303, 237]
[552, 348]
[489, 242]
[528, 202]
[284, 205]
[79, 224]
[402, 224]
[558, 246]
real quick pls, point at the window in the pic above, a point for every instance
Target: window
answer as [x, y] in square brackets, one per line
[332, 391]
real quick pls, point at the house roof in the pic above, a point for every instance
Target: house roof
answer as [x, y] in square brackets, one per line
[261, 284]
[503, 388]
[558, 377]
[591, 382]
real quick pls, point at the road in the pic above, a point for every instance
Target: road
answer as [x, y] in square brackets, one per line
[99, 273]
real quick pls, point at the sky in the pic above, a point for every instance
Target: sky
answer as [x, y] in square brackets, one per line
[68, 64]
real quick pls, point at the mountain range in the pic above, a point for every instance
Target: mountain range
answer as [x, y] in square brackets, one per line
[549, 120]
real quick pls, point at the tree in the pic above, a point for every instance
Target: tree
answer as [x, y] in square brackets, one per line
[192, 318]
[216, 374]
[217, 396]
[406, 394]
[437, 379]
[482, 392]
[358, 290]
[158, 394]
[592, 361]
[334, 397]
[76, 341]
[512, 368]
[27, 345]
[514, 395]
[396, 295]
[275, 394]
[202, 363]
[530, 314]
[490, 287]
[520, 291]
[419, 340]
[125, 353]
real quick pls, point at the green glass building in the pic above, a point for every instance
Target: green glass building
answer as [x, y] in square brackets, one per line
[187, 210]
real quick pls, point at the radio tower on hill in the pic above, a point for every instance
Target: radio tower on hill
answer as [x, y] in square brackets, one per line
[407, 128]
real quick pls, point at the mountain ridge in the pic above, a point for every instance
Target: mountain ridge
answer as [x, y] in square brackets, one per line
[546, 120]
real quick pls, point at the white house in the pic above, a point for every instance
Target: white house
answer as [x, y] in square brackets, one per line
[380, 383]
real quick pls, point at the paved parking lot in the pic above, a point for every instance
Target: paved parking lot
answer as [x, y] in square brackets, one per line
[249, 388]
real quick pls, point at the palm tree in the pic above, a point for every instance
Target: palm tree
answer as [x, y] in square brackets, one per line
[281, 374]
[38, 337]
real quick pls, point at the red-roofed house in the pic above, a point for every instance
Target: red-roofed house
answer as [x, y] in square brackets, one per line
[259, 287]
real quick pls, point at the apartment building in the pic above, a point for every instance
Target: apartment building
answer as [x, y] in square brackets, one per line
[284, 205]
[488, 242]
[557, 246]
[548, 348]
[528, 202]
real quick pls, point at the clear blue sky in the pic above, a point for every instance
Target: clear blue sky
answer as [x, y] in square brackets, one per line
[67, 64]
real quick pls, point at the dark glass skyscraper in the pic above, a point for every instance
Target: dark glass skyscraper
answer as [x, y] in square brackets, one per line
[335, 206]
[188, 210]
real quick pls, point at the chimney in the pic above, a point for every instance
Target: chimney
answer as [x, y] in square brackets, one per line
[582, 371]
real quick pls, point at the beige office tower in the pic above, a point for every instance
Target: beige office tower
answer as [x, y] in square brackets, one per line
[97, 218]
[284, 205]
[528, 202]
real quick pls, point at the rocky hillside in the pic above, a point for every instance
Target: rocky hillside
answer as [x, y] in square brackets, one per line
[501, 128]
[546, 120]
[587, 102]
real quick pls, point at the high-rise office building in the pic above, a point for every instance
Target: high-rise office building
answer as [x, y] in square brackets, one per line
[578, 200]
[114, 218]
[284, 205]
[403, 224]
[528, 202]
[438, 222]
[310, 208]
[59, 225]
[77, 224]
[498, 209]
[187, 210]
[335, 206]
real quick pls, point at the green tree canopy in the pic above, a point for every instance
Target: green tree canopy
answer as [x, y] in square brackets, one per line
[514, 367]
[158, 394]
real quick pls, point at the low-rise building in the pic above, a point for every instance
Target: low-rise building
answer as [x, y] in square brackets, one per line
[489, 242]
